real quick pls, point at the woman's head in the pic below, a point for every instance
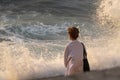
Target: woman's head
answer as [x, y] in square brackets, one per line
[73, 33]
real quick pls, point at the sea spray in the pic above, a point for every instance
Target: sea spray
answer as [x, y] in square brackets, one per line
[21, 63]
[108, 47]
[108, 12]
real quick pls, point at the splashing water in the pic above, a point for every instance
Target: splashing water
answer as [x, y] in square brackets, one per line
[109, 12]
[108, 15]
[18, 62]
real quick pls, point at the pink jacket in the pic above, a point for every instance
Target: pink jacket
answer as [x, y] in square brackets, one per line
[73, 58]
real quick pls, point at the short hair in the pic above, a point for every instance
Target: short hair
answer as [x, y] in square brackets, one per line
[73, 32]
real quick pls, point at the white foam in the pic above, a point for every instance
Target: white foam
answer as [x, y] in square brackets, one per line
[39, 29]
[21, 63]
[108, 11]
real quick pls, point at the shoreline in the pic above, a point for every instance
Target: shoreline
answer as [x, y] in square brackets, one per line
[61, 77]
[107, 74]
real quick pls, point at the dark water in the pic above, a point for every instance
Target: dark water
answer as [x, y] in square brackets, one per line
[55, 7]
[22, 15]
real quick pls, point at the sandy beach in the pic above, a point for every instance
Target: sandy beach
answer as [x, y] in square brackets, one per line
[108, 74]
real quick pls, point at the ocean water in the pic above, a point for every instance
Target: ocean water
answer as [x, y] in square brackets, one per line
[33, 35]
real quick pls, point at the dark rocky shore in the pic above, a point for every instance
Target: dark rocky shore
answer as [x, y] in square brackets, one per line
[108, 74]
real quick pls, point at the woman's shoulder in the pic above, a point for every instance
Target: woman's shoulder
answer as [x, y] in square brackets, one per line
[74, 43]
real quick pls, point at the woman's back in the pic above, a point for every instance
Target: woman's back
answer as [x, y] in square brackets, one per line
[75, 58]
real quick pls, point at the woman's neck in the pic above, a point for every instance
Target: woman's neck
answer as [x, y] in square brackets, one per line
[73, 39]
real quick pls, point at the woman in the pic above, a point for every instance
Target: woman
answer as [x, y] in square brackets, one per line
[73, 55]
